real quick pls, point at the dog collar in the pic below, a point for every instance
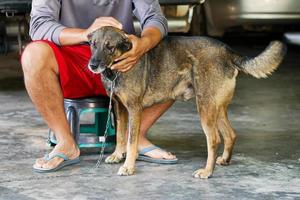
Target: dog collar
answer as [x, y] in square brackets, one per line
[109, 74]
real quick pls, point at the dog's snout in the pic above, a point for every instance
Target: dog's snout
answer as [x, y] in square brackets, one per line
[96, 66]
[94, 63]
[93, 66]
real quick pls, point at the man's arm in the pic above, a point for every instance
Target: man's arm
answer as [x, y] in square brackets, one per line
[149, 13]
[71, 36]
[44, 24]
[154, 28]
[44, 20]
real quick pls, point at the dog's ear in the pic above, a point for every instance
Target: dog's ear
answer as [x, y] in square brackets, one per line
[125, 45]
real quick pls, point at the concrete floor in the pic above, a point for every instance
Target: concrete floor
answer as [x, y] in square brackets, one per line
[265, 165]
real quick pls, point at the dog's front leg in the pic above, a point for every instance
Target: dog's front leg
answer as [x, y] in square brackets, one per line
[122, 119]
[132, 143]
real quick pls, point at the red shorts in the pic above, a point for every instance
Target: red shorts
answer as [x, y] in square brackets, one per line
[75, 78]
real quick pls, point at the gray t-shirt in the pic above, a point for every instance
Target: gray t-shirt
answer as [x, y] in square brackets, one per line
[50, 17]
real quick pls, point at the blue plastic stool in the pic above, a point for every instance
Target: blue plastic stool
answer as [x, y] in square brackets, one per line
[88, 135]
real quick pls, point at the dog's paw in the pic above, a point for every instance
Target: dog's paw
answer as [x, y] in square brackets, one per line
[221, 161]
[126, 171]
[114, 158]
[202, 173]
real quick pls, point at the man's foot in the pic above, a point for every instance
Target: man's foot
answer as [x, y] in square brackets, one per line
[155, 153]
[70, 150]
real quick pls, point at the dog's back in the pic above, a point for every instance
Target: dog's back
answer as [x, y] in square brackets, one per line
[178, 64]
[184, 49]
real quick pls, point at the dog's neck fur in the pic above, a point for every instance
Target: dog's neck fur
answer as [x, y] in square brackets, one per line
[109, 75]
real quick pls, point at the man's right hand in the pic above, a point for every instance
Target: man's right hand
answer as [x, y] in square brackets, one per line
[100, 22]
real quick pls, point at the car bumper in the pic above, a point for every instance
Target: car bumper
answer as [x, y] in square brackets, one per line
[224, 14]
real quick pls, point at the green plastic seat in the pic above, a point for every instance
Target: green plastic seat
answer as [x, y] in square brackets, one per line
[91, 134]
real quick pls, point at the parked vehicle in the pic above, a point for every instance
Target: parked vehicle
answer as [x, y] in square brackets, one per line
[217, 17]
[254, 15]
[13, 24]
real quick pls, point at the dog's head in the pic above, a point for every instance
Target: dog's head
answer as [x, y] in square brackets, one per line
[107, 43]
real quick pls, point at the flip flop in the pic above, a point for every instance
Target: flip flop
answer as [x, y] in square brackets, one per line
[143, 157]
[65, 163]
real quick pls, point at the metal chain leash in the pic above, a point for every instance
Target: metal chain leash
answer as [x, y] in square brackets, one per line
[103, 139]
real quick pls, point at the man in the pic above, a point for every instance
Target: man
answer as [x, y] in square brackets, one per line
[54, 65]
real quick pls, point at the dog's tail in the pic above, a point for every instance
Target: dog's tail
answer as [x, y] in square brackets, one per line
[265, 63]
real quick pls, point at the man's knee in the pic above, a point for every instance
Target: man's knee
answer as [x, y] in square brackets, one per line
[37, 56]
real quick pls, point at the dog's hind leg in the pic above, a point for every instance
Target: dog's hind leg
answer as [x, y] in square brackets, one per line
[132, 145]
[208, 114]
[224, 96]
[122, 120]
[229, 137]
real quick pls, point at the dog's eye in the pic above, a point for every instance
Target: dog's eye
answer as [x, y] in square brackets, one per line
[109, 47]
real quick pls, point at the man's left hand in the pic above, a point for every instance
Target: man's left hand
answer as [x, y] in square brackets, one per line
[126, 61]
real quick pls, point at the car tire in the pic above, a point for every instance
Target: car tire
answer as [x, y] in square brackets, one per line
[3, 39]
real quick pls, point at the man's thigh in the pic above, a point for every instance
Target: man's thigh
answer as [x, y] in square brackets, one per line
[76, 79]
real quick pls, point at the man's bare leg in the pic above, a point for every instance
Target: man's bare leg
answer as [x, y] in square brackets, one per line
[149, 117]
[42, 83]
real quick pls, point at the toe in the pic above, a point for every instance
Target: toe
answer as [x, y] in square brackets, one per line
[160, 154]
[39, 162]
[166, 155]
[169, 156]
[52, 163]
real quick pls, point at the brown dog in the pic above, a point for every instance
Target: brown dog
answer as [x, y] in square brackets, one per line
[178, 68]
